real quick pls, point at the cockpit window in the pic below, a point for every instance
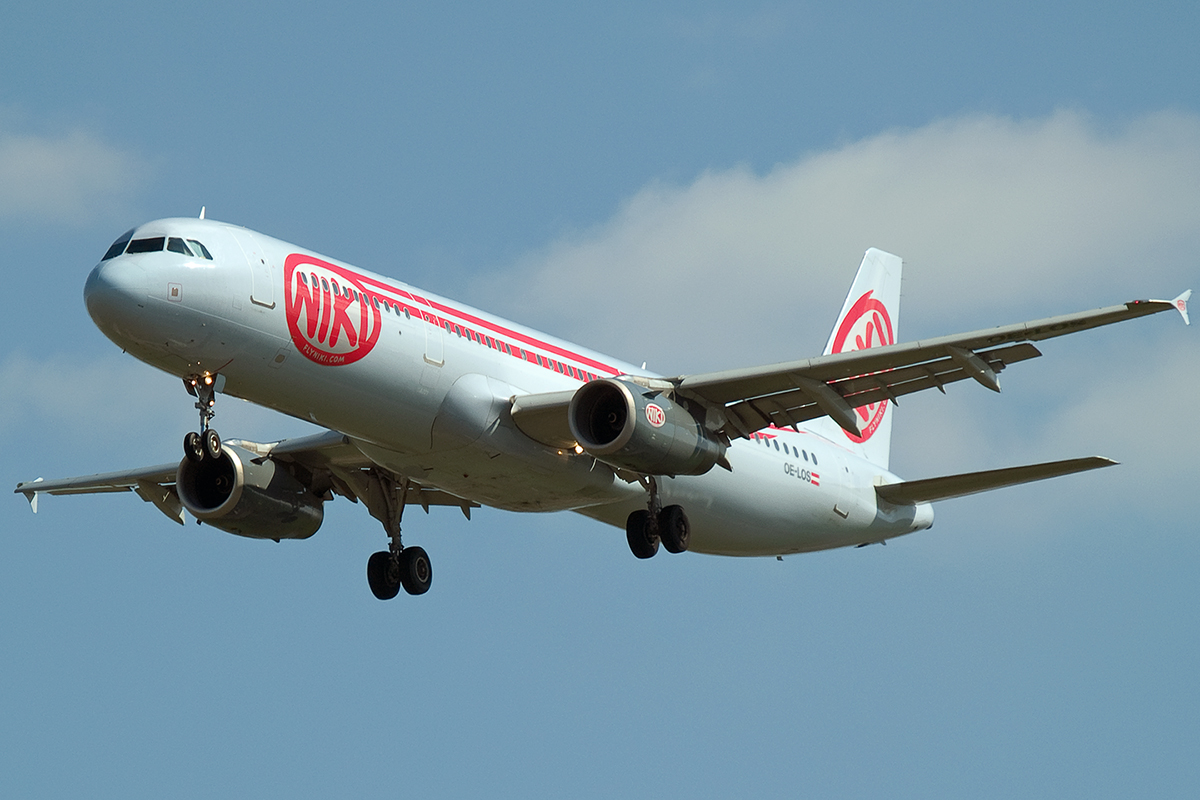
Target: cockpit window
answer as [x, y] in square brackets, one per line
[147, 245]
[118, 246]
[200, 249]
[177, 245]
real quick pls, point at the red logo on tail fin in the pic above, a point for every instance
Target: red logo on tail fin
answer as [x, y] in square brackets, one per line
[866, 324]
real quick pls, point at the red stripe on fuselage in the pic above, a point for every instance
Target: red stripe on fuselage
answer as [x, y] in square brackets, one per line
[454, 316]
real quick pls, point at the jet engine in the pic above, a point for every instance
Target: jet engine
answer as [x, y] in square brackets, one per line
[626, 425]
[241, 493]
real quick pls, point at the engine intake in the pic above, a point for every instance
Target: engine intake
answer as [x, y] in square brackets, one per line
[237, 494]
[629, 426]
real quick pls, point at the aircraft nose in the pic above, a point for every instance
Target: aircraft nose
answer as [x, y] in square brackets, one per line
[114, 291]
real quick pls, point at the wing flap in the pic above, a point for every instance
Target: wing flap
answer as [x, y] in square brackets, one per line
[945, 488]
[798, 404]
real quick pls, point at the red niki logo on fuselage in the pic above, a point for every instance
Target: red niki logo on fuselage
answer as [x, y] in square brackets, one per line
[330, 317]
[866, 324]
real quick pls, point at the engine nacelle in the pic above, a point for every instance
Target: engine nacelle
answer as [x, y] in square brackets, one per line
[239, 495]
[626, 425]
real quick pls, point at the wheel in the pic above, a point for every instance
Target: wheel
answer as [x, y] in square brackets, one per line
[416, 573]
[674, 529]
[643, 541]
[212, 444]
[193, 447]
[383, 575]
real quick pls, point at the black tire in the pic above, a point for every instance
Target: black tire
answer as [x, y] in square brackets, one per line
[674, 528]
[383, 575]
[643, 541]
[193, 447]
[416, 572]
[212, 444]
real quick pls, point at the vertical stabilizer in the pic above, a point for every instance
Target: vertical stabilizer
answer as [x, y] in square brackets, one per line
[870, 317]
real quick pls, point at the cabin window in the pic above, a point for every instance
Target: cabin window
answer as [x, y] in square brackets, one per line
[814, 458]
[152, 245]
[118, 247]
[177, 245]
[199, 249]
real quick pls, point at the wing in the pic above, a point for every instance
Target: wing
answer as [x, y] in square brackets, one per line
[331, 462]
[742, 401]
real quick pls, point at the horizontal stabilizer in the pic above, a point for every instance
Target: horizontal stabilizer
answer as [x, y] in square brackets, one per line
[933, 489]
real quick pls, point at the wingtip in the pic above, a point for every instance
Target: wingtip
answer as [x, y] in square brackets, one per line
[30, 493]
[1180, 304]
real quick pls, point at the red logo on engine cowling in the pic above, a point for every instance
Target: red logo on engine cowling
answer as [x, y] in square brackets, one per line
[655, 415]
[867, 324]
[330, 316]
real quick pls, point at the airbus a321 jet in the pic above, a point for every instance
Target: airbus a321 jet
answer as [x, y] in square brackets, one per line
[428, 402]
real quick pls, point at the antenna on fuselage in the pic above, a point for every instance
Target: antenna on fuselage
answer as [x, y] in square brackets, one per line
[201, 212]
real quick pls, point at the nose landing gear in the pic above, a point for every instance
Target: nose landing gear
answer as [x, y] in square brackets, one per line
[644, 530]
[197, 446]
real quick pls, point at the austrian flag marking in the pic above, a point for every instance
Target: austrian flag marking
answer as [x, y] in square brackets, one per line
[329, 314]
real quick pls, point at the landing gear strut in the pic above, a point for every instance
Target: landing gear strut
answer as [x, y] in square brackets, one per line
[398, 566]
[644, 530]
[207, 442]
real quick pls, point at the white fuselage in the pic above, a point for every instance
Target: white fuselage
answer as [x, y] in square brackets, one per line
[423, 386]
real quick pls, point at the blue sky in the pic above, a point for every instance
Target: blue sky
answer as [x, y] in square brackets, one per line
[686, 184]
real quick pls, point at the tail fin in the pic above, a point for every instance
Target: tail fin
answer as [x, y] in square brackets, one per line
[870, 317]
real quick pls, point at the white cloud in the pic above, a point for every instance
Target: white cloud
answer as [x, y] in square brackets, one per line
[65, 177]
[999, 220]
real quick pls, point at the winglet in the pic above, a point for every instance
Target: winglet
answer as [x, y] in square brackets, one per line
[1180, 304]
[30, 494]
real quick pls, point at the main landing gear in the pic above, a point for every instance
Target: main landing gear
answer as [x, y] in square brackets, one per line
[645, 529]
[205, 444]
[398, 566]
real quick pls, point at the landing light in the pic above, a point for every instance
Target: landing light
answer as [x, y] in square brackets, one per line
[578, 450]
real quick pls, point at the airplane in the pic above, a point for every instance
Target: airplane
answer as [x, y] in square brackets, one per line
[426, 401]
